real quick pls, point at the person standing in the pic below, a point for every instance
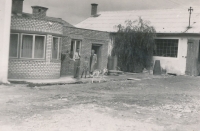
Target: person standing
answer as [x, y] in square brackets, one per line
[77, 63]
[85, 67]
[93, 61]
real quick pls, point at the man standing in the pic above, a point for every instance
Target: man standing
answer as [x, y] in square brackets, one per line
[85, 67]
[93, 61]
[77, 63]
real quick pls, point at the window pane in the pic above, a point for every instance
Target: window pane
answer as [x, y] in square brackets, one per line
[55, 48]
[13, 45]
[166, 47]
[72, 49]
[72, 45]
[60, 48]
[39, 47]
[27, 46]
[78, 44]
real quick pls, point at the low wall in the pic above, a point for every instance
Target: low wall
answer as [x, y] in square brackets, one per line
[30, 69]
[175, 65]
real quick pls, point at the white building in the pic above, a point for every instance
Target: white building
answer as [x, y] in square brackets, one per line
[177, 45]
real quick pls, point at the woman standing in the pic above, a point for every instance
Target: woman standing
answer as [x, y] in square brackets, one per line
[93, 61]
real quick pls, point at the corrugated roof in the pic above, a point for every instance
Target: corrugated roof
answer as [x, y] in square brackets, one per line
[164, 20]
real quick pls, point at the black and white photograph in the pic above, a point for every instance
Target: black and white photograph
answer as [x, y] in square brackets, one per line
[99, 65]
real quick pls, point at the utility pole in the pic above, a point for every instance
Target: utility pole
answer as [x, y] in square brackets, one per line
[5, 19]
[190, 11]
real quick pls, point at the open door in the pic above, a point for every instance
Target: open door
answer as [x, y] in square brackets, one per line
[97, 48]
[192, 61]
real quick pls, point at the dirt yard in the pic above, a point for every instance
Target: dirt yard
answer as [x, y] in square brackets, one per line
[159, 104]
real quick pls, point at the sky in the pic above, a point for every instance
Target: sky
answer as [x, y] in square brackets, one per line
[75, 11]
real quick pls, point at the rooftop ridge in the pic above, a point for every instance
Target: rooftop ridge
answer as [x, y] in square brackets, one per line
[168, 20]
[150, 10]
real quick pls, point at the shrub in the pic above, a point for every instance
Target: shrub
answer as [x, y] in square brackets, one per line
[134, 45]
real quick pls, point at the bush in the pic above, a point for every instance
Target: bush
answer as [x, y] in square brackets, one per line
[134, 45]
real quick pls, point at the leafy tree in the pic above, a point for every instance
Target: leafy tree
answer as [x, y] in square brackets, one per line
[133, 45]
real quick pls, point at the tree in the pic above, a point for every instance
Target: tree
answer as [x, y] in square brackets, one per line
[134, 44]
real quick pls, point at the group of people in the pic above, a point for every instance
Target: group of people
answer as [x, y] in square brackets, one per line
[88, 65]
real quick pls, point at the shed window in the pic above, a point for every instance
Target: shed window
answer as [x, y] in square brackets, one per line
[166, 47]
[14, 39]
[33, 46]
[56, 48]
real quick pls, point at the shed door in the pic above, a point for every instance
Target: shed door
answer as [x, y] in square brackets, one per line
[192, 57]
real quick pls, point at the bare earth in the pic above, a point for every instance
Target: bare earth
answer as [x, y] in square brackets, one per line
[159, 104]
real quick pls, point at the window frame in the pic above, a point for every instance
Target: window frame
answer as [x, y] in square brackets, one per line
[177, 55]
[33, 45]
[17, 45]
[74, 47]
[59, 48]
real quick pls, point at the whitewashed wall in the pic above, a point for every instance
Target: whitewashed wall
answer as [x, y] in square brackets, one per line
[171, 64]
[175, 65]
[5, 18]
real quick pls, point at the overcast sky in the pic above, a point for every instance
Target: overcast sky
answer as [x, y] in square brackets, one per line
[75, 11]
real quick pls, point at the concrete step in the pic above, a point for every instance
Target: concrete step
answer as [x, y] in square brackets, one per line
[115, 72]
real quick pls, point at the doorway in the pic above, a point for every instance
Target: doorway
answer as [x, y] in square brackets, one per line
[193, 58]
[98, 51]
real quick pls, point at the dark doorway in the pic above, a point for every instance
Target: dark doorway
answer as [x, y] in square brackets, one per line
[97, 48]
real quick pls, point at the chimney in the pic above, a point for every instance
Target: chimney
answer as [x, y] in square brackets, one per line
[94, 9]
[17, 6]
[39, 12]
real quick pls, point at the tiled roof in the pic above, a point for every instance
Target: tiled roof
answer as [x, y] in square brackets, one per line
[27, 15]
[164, 20]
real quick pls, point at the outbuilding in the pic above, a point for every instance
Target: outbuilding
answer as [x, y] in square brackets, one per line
[177, 42]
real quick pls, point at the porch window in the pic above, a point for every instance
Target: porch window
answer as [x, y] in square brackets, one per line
[33, 46]
[75, 44]
[14, 41]
[166, 47]
[56, 48]
[27, 46]
[39, 47]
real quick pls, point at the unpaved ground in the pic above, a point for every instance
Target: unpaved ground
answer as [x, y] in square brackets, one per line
[161, 104]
